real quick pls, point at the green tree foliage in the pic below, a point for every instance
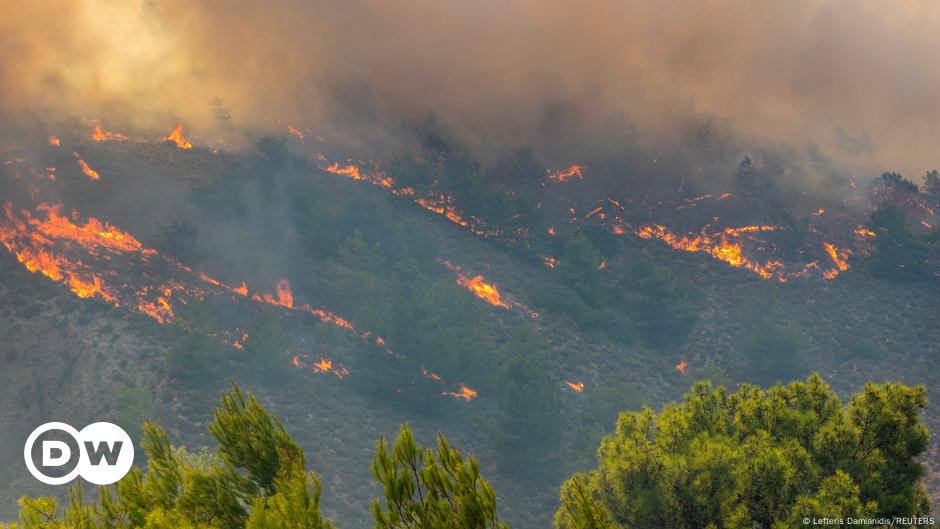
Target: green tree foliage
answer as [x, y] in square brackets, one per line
[579, 268]
[899, 252]
[194, 350]
[427, 489]
[528, 397]
[133, 407]
[256, 479]
[756, 459]
[931, 187]
[268, 344]
[662, 306]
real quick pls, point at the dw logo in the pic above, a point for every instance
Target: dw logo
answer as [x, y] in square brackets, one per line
[55, 453]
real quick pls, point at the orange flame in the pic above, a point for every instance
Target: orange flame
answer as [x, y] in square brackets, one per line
[720, 246]
[562, 175]
[478, 286]
[839, 258]
[295, 133]
[102, 135]
[89, 172]
[430, 375]
[577, 387]
[176, 136]
[54, 141]
[463, 392]
[324, 365]
[681, 366]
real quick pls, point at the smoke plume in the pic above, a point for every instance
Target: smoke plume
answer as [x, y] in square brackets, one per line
[856, 79]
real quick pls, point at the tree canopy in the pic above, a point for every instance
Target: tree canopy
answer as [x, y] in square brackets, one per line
[257, 479]
[756, 458]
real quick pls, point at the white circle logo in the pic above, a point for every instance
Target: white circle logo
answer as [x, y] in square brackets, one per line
[101, 453]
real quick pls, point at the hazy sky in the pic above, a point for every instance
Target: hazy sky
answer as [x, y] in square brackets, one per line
[859, 78]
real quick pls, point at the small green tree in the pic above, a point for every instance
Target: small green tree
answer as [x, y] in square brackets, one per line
[256, 479]
[899, 252]
[427, 489]
[268, 344]
[527, 427]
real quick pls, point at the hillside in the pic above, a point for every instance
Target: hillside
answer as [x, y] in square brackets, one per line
[494, 330]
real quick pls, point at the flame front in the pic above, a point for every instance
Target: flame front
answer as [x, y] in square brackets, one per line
[478, 286]
[106, 135]
[577, 387]
[463, 392]
[295, 133]
[721, 246]
[88, 171]
[176, 136]
[573, 171]
[839, 259]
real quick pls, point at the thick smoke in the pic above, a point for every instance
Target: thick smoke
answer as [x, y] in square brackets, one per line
[855, 79]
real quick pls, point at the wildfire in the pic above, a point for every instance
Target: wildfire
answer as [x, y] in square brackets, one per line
[865, 232]
[442, 205]
[323, 365]
[478, 286]
[721, 246]
[106, 135]
[550, 262]
[463, 392]
[295, 133]
[54, 141]
[681, 366]
[42, 244]
[176, 136]
[285, 297]
[839, 259]
[430, 375]
[379, 179]
[577, 387]
[350, 170]
[88, 171]
[562, 175]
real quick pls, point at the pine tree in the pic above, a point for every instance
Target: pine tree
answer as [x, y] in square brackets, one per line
[756, 459]
[427, 489]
